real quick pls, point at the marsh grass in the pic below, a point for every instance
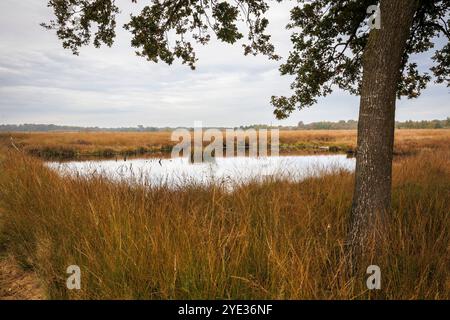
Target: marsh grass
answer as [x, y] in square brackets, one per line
[270, 240]
[71, 145]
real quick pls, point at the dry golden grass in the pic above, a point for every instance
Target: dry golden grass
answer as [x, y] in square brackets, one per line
[407, 141]
[71, 144]
[275, 240]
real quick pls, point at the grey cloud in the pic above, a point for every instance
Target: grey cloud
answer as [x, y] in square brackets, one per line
[41, 82]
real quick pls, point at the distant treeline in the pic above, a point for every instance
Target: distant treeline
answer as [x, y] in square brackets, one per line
[322, 125]
[433, 124]
[28, 127]
[352, 124]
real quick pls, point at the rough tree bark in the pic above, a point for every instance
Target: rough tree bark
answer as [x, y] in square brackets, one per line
[381, 73]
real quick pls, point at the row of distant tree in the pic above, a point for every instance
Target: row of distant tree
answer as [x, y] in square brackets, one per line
[322, 125]
[352, 124]
[30, 127]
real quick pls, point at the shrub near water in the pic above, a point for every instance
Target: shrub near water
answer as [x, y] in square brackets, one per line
[273, 240]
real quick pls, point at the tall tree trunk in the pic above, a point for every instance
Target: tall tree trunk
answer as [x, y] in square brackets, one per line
[381, 73]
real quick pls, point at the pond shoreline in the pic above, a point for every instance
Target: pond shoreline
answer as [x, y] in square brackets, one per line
[101, 145]
[166, 153]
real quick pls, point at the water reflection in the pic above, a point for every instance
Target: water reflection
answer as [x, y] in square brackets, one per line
[180, 171]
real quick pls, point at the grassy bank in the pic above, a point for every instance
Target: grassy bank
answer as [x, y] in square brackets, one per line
[76, 144]
[273, 240]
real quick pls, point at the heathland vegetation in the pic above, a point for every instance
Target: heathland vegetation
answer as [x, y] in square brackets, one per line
[70, 145]
[275, 240]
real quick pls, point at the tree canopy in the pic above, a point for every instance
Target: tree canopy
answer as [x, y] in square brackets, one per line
[328, 38]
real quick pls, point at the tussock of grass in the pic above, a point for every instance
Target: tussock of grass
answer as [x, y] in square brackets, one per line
[277, 240]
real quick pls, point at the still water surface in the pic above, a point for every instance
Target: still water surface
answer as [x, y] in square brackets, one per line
[230, 171]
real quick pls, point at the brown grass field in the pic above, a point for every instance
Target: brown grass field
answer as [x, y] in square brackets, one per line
[271, 240]
[73, 144]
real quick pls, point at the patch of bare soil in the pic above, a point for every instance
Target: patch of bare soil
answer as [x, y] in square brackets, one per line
[18, 284]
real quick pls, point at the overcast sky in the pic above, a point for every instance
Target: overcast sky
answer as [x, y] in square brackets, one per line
[42, 83]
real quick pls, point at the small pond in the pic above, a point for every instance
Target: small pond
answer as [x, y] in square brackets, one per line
[177, 172]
